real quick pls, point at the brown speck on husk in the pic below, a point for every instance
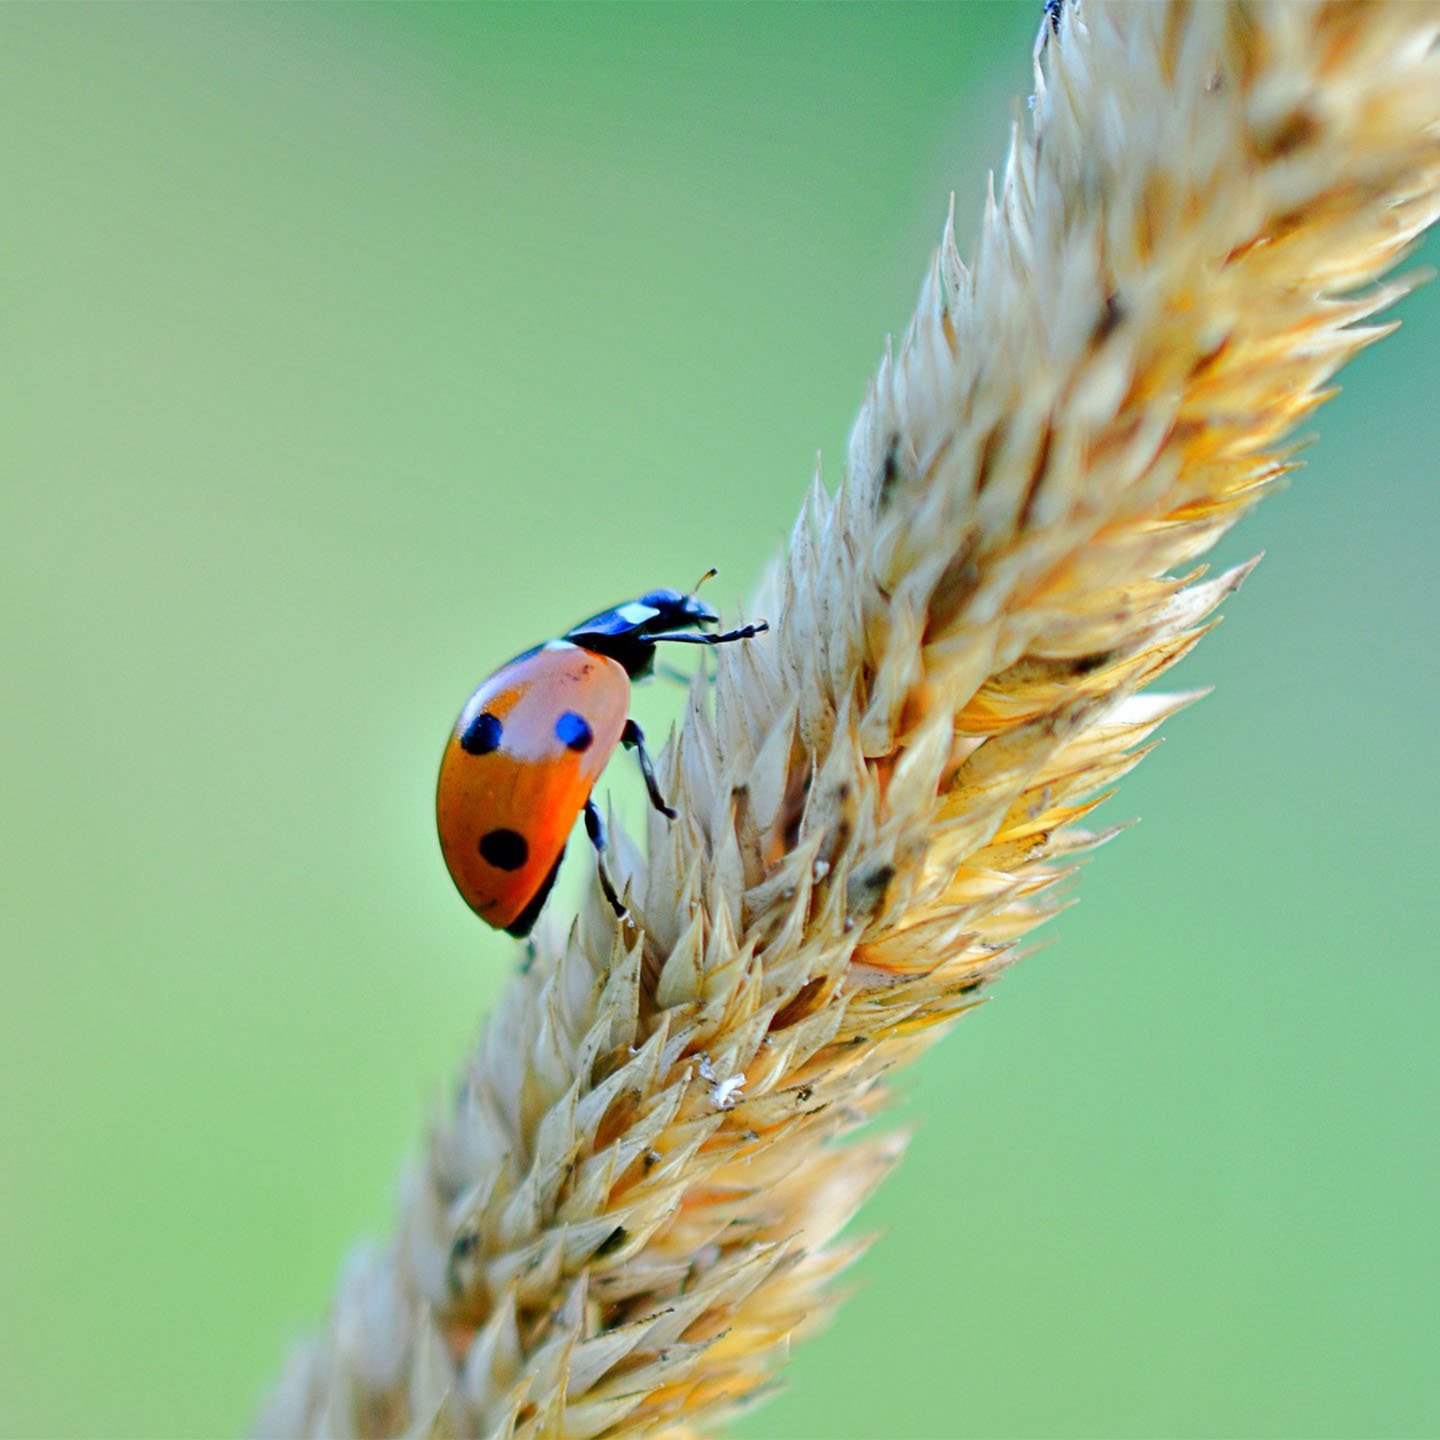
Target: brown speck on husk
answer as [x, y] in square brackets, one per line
[634, 1209]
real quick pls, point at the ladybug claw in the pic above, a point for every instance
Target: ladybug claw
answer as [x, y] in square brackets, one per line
[606, 885]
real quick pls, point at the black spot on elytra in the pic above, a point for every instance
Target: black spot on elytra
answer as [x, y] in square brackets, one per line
[504, 849]
[482, 734]
[573, 731]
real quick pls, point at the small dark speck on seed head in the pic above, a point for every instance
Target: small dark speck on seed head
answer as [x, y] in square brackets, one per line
[865, 890]
[1299, 129]
[1088, 664]
[990, 450]
[1038, 471]
[889, 472]
[1111, 314]
[613, 1241]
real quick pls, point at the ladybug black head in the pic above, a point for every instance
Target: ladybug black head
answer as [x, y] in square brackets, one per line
[628, 632]
[673, 610]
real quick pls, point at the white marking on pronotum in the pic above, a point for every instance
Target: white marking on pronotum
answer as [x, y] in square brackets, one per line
[634, 613]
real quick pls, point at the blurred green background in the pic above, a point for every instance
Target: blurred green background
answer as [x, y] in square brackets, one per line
[349, 349]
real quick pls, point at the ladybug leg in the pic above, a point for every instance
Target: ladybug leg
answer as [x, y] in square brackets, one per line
[595, 829]
[697, 637]
[673, 672]
[633, 738]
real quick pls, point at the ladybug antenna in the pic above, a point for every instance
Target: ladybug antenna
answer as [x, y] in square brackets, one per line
[710, 574]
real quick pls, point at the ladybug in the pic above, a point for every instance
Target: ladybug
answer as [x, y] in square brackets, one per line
[528, 747]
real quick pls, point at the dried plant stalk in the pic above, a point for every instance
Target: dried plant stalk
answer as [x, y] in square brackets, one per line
[633, 1209]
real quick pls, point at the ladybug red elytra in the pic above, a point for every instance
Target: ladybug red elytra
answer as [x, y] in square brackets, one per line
[530, 744]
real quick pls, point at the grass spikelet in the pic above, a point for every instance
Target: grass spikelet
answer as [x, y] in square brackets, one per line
[637, 1202]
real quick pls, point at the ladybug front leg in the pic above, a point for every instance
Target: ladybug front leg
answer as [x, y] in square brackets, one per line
[595, 829]
[633, 738]
[699, 637]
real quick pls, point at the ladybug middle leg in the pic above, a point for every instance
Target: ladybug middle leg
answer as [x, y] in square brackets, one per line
[633, 738]
[699, 637]
[595, 829]
[675, 673]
